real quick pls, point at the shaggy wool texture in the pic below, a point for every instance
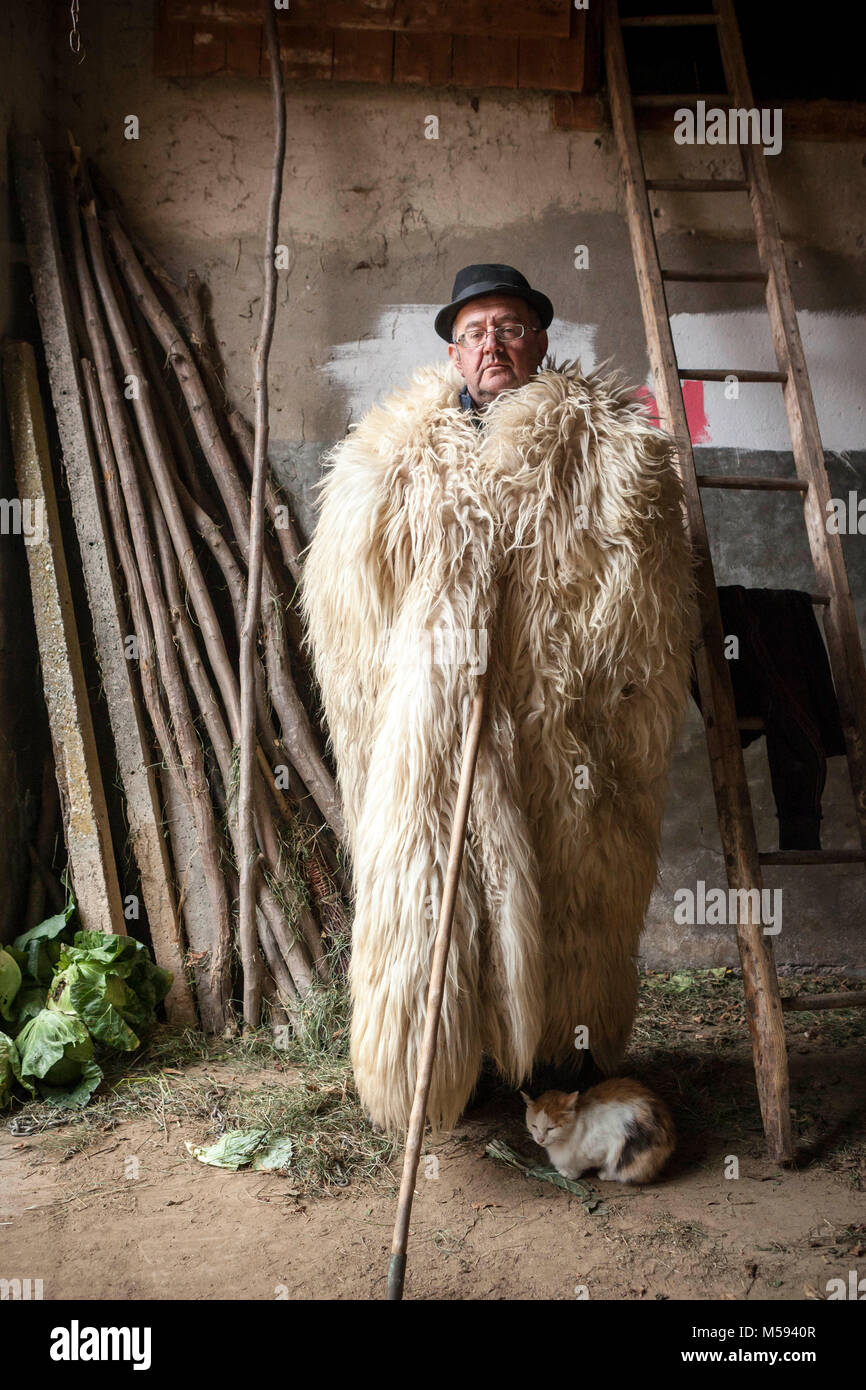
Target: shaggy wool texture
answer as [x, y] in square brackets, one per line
[549, 546]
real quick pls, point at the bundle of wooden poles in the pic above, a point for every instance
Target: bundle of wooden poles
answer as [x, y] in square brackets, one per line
[176, 462]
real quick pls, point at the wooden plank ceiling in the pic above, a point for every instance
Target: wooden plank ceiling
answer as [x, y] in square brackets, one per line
[537, 45]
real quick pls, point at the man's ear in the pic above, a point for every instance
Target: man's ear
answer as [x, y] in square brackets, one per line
[541, 339]
[454, 354]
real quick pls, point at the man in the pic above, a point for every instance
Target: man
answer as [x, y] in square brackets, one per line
[499, 513]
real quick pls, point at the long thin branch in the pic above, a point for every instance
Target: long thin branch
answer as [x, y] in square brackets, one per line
[213, 981]
[158, 412]
[153, 447]
[287, 537]
[187, 300]
[134, 591]
[275, 956]
[159, 452]
[285, 924]
[221, 744]
[196, 507]
[297, 732]
[249, 633]
[293, 951]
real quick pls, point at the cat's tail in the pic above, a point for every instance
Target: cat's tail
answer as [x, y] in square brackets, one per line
[650, 1139]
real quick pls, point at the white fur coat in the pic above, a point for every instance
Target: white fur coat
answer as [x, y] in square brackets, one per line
[550, 545]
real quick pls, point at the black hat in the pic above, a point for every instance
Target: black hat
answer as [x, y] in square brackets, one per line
[474, 280]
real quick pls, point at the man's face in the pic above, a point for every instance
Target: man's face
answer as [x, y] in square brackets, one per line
[492, 367]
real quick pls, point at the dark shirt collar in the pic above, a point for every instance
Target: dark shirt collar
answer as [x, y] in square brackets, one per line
[467, 403]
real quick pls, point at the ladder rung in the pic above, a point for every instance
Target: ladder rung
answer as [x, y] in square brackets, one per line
[751, 482]
[813, 856]
[757, 725]
[849, 999]
[698, 185]
[722, 374]
[819, 601]
[663, 99]
[720, 277]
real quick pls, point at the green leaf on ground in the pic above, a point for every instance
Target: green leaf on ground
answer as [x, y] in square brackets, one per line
[588, 1196]
[241, 1148]
[234, 1150]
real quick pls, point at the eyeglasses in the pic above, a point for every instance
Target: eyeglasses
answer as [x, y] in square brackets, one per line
[504, 333]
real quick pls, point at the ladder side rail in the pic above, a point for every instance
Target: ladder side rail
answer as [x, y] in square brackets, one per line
[840, 620]
[761, 987]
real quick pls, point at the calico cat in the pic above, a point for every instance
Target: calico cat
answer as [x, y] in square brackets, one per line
[619, 1127]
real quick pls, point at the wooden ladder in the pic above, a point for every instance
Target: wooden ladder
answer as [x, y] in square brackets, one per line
[764, 1005]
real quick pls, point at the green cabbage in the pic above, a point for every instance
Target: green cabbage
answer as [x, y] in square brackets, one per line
[97, 998]
[59, 994]
[10, 1068]
[56, 1052]
[29, 1001]
[10, 983]
[112, 984]
[41, 945]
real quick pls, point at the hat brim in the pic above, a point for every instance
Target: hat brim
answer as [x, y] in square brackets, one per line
[444, 321]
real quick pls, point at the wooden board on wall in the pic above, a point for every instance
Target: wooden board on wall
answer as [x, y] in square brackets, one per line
[307, 54]
[172, 45]
[363, 55]
[424, 59]
[553, 65]
[244, 51]
[79, 778]
[208, 52]
[538, 18]
[201, 50]
[438, 56]
[492, 63]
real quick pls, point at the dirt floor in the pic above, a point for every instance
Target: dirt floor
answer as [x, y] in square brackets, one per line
[110, 1204]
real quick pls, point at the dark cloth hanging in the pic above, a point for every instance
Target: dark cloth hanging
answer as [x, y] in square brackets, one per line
[782, 676]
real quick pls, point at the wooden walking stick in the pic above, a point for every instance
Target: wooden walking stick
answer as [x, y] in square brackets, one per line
[418, 1115]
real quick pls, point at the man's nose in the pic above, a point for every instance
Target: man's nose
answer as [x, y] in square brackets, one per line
[496, 346]
[487, 333]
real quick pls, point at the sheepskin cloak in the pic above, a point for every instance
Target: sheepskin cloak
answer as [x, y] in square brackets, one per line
[549, 546]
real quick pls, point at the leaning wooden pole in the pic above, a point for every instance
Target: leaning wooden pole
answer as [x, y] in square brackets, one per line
[246, 813]
[76, 757]
[418, 1115]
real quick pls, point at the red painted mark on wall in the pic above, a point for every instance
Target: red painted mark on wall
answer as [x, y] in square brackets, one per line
[696, 415]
